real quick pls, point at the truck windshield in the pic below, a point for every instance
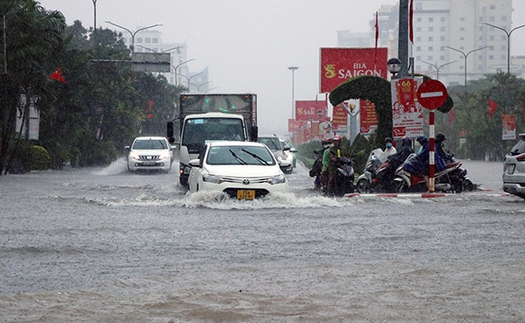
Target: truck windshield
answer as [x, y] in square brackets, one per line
[197, 131]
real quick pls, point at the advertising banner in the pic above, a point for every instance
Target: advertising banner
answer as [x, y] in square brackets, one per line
[294, 125]
[368, 117]
[310, 110]
[340, 64]
[339, 118]
[509, 126]
[407, 114]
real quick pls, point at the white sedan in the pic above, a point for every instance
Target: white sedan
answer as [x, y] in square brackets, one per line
[243, 170]
[150, 153]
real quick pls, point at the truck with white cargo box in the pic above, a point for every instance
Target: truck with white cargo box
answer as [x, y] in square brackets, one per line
[211, 117]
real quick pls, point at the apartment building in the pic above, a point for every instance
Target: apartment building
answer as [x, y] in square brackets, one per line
[453, 39]
[150, 41]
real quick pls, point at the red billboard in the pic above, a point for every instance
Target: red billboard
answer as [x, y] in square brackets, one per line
[310, 110]
[339, 118]
[368, 117]
[340, 64]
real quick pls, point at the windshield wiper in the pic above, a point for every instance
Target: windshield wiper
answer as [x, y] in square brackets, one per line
[237, 158]
[259, 158]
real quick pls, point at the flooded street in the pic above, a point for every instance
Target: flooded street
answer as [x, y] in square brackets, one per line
[104, 245]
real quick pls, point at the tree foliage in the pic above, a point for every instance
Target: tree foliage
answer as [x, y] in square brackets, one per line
[102, 105]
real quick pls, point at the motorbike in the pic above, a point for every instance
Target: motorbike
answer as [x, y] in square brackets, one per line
[451, 179]
[344, 178]
[365, 181]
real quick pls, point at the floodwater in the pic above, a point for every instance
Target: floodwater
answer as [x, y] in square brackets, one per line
[105, 245]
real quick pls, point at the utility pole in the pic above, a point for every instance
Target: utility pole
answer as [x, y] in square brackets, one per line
[402, 50]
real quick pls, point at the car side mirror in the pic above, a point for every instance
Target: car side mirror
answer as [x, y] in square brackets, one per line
[195, 163]
[127, 147]
[293, 150]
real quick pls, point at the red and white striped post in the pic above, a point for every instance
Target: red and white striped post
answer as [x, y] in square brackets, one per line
[431, 95]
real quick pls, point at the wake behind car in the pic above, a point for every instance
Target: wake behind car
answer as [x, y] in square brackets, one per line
[150, 153]
[243, 170]
[514, 169]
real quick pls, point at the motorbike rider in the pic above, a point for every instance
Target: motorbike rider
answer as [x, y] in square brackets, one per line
[421, 164]
[395, 160]
[333, 154]
[317, 169]
[439, 143]
[390, 149]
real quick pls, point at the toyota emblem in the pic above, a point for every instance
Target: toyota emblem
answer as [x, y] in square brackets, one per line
[246, 182]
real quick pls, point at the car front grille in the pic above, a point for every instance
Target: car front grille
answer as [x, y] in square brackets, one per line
[149, 157]
[241, 180]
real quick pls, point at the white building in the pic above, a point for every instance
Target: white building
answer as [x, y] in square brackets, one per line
[452, 38]
[150, 41]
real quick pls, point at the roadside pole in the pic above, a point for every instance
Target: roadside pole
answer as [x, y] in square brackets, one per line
[431, 95]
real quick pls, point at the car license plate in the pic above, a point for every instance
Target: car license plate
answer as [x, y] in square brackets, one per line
[245, 194]
[149, 163]
[511, 168]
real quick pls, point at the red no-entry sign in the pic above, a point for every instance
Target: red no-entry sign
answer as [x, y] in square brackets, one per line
[432, 94]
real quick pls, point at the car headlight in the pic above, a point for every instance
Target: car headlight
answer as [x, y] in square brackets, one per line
[279, 179]
[211, 179]
[133, 155]
[164, 156]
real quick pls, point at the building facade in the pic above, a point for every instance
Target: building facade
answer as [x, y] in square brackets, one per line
[150, 41]
[453, 39]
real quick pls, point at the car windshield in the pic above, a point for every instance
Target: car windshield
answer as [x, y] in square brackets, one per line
[519, 148]
[197, 131]
[235, 155]
[272, 143]
[150, 144]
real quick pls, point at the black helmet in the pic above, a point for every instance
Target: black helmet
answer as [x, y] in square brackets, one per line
[422, 139]
[407, 141]
[440, 137]
[388, 139]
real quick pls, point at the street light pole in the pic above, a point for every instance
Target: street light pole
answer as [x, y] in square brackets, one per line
[508, 42]
[176, 67]
[132, 33]
[466, 56]
[438, 67]
[293, 68]
[94, 14]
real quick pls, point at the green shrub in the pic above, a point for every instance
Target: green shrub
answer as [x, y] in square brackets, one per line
[39, 158]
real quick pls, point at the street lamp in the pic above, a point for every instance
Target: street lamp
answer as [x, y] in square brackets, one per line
[189, 78]
[293, 68]
[393, 65]
[466, 56]
[133, 33]
[508, 42]
[198, 87]
[176, 67]
[94, 14]
[438, 67]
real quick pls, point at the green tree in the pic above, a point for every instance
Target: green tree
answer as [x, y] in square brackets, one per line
[32, 41]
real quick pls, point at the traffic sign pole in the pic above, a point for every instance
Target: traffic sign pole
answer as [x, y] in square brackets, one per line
[431, 95]
[431, 155]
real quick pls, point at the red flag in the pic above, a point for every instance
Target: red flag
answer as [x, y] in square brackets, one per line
[492, 108]
[377, 28]
[452, 116]
[57, 75]
[410, 21]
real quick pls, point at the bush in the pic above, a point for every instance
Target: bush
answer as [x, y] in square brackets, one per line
[39, 158]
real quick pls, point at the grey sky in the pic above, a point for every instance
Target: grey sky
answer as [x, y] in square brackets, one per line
[248, 44]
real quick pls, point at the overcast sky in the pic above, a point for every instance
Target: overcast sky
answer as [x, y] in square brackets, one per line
[248, 44]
